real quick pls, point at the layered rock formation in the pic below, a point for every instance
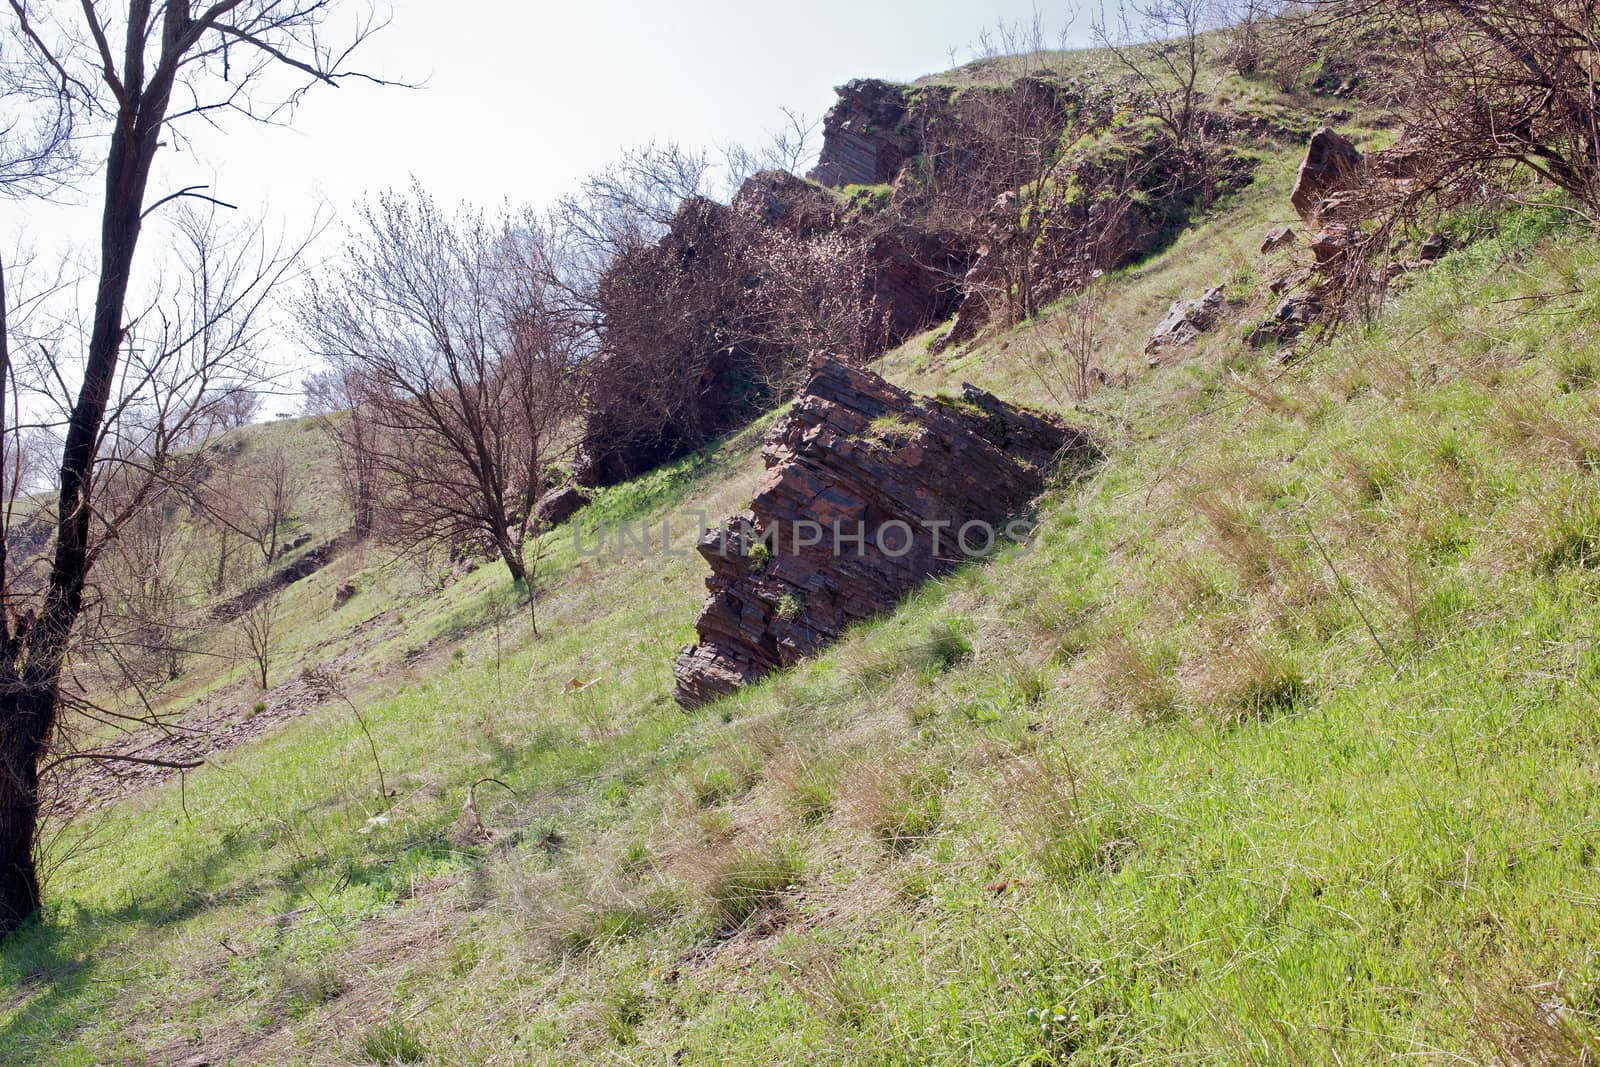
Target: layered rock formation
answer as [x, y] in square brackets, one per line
[865, 136]
[687, 348]
[869, 490]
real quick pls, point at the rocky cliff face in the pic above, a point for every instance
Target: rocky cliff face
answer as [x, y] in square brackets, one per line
[865, 136]
[941, 234]
[869, 490]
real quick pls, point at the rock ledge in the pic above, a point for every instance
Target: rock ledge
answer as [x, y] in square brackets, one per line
[869, 490]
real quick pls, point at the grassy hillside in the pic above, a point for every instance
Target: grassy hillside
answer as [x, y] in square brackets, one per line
[1278, 747]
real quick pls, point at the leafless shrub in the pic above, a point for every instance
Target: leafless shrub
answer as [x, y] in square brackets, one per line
[1065, 347]
[1497, 100]
[149, 609]
[812, 297]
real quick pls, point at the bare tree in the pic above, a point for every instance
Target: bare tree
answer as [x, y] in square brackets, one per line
[276, 489]
[37, 149]
[1027, 132]
[238, 406]
[792, 148]
[1159, 43]
[128, 387]
[333, 399]
[147, 616]
[217, 501]
[258, 632]
[1489, 88]
[1055, 187]
[1244, 27]
[445, 327]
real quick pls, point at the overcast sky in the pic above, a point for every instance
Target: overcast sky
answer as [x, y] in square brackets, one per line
[522, 98]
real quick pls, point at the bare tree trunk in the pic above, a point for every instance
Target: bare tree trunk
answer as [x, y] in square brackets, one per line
[28, 707]
[511, 553]
[26, 710]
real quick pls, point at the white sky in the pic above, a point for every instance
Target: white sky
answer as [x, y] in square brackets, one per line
[522, 98]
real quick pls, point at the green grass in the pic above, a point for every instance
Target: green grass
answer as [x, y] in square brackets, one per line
[1277, 746]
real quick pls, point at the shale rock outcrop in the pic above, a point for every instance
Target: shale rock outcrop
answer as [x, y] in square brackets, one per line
[869, 490]
[866, 138]
[914, 216]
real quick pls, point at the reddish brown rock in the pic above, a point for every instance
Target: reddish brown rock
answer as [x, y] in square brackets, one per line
[559, 504]
[1332, 167]
[1276, 238]
[865, 136]
[869, 490]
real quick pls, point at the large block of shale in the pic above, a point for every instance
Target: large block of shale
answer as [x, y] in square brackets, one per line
[869, 490]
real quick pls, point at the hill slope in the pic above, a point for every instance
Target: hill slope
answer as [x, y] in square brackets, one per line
[1277, 747]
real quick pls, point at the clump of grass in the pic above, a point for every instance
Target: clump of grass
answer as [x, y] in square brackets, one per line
[724, 775]
[896, 802]
[892, 429]
[1572, 538]
[710, 786]
[1185, 586]
[582, 905]
[1549, 434]
[873, 669]
[1236, 536]
[624, 1012]
[807, 787]
[391, 1043]
[750, 880]
[1576, 370]
[1251, 680]
[1370, 479]
[836, 988]
[303, 988]
[1127, 679]
[1525, 1030]
[607, 924]
[942, 647]
[636, 859]
[1070, 824]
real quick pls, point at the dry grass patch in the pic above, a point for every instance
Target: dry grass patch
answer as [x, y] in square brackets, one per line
[895, 800]
[1245, 677]
[1127, 678]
